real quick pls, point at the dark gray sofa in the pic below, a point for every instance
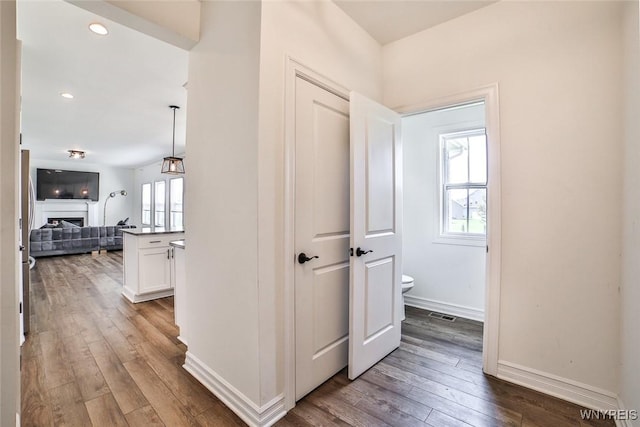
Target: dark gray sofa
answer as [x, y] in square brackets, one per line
[75, 240]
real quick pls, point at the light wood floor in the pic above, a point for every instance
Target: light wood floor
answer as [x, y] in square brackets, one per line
[93, 358]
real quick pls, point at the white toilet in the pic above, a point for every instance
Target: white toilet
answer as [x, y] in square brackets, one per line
[407, 284]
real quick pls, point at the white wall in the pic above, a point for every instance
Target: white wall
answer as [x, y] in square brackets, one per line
[321, 36]
[235, 230]
[182, 16]
[9, 206]
[447, 276]
[221, 212]
[175, 22]
[630, 296]
[558, 65]
[111, 179]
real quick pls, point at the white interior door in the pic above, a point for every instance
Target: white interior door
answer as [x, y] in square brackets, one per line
[321, 234]
[376, 234]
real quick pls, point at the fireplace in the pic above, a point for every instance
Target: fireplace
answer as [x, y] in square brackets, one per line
[79, 221]
[56, 210]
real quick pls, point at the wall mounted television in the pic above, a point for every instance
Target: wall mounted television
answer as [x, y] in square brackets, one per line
[61, 184]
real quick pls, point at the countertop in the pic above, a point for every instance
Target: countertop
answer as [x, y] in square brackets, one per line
[144, 231]
[177, 243]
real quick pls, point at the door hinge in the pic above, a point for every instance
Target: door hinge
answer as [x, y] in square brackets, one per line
[350, 251]
[487, 248]
[20, 307]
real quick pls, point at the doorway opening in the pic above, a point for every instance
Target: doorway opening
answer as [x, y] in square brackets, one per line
[458, 195]
[445, 217]
[445, 209]
[107, 96]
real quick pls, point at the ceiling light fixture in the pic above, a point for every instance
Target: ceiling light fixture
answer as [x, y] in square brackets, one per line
[98, 28]
[66, 95]
[173, 165]
[76, 154]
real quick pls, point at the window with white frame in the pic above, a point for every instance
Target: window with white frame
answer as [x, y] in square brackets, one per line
[159, 203]
[176, 204]
[146, 204]
[162, 208]
[463, 184]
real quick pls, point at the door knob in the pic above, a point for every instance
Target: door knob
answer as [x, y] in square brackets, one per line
[302, 258]
[360, 252]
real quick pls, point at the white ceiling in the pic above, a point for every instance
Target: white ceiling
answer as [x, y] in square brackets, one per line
[122, 83]
[390, 20]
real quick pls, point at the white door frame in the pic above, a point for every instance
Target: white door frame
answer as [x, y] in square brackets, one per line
[294, 69]
[489, 94]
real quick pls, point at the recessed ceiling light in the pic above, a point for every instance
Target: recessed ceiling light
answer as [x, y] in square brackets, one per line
[66, 95]
[98, 28]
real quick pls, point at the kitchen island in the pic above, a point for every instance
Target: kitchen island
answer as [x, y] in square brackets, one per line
[148, 266]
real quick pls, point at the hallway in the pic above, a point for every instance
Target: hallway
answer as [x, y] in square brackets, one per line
[93, 358]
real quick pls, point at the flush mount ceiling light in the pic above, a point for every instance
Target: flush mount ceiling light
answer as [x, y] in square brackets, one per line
[173, 165]
[66, 95]
[98, 28]
[76, 154]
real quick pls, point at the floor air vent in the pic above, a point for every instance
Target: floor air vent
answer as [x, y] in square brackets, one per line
[442, 316]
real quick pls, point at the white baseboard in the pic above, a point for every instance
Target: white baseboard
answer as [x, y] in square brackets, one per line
[135, 298]
[563, 388]
[444, 307]
[252, 414]
[623, 423]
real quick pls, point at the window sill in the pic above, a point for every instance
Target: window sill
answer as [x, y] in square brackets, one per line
[479, 241]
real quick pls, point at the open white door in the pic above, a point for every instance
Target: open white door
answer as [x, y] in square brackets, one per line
[376, 234]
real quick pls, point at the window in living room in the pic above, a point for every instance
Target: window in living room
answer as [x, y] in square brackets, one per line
[159, 200]
[176, 206]
[146, 204]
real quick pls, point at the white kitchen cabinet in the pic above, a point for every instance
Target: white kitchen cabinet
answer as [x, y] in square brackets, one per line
[154, 269]
[148, 266]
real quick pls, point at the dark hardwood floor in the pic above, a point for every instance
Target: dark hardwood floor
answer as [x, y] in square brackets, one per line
[93, 358]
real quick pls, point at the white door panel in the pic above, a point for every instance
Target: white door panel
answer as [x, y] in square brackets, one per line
[328, 289]
[380, 177]
[378, 274]
[322, 230]
[331, 170]
[376, 229]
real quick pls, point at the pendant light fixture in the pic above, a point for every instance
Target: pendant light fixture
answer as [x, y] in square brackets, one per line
[173, 165]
